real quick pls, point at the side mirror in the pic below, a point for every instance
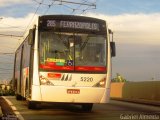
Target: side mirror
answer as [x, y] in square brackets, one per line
[31, 36]
[113, 49]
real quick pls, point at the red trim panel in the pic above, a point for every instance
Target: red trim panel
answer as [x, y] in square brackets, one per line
[71, 68]
[89, 68]
[48, 67]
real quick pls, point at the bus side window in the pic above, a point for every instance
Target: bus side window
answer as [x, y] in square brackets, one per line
[31, 36]
[113, 49]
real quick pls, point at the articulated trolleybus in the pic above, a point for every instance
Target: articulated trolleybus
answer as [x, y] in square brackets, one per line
[64, 59]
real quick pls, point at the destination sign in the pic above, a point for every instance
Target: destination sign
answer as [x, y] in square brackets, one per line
[70, 23]
[73, 25]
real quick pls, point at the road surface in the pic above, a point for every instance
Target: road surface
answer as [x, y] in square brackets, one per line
[115, 110]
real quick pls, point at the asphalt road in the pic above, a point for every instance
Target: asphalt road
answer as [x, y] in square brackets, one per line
[115, 110]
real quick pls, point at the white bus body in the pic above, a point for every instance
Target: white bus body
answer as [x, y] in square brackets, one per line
[64, 59]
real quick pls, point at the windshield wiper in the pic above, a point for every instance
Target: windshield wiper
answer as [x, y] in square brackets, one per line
[66, 44]
[84, 43]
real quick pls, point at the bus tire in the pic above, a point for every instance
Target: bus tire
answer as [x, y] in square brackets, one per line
[18, 97]
[87, 107]
[32, 105]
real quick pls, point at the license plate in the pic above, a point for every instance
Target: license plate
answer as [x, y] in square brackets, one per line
[73, 91]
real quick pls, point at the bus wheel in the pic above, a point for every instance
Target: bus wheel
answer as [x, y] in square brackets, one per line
[18, 97]
[87, 107]
[32, 105]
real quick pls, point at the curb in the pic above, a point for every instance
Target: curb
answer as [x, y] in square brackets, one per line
[140, 101]
[13, 109]
[1, 113]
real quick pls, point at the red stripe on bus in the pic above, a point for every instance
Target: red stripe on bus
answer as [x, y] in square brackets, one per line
[89, 68]
[47, 67]
[77, 68]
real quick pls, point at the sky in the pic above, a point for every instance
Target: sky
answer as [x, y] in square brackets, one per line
[135, 23]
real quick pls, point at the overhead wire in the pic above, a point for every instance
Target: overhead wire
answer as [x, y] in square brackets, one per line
[65, 2]
[83, 3]
[78, 8]
[49, 6]
[3, 53]
[8, 47]
[33, 15]
[78, 3]
[61, 2]
[40, 2]
[11, 26]
[84, 10]
[9, 35]
[6, 73]
[89, 8]
[5, 69]
[6, 63]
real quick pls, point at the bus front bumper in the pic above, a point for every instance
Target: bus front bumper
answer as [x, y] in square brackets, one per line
[45, 93]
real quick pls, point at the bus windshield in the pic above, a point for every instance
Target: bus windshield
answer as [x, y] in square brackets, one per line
[72, 51]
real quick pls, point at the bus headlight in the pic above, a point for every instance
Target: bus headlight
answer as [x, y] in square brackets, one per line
[101, 83]
[45, 81]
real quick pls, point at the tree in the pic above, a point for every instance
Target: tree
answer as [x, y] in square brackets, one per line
[119, 78]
